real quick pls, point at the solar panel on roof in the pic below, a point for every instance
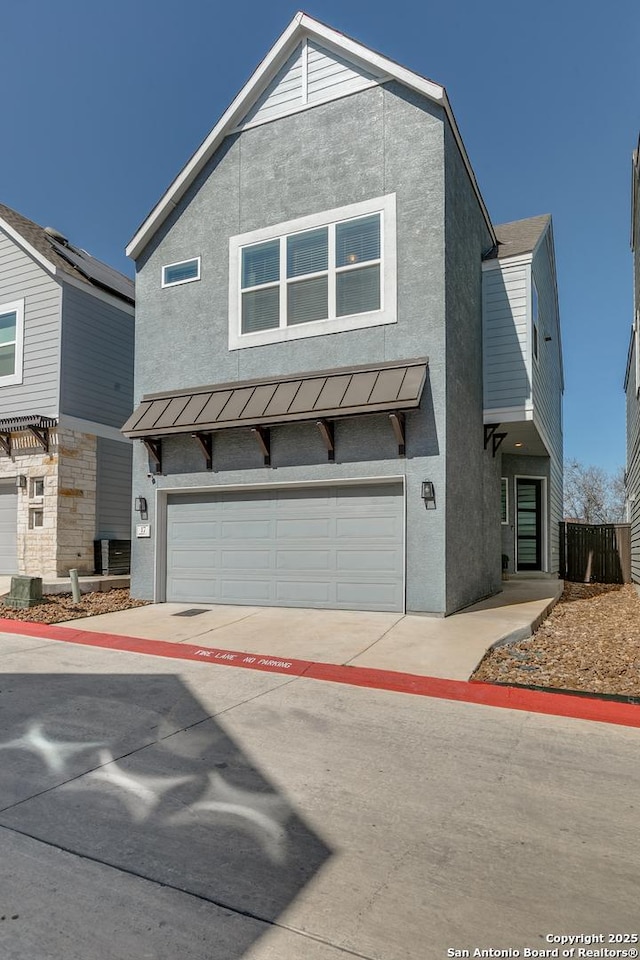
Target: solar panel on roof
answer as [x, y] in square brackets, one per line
[95, 270]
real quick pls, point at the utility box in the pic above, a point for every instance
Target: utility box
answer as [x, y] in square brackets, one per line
[112, 557]
[25, 592]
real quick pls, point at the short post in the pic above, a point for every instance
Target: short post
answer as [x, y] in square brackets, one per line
[75, 586]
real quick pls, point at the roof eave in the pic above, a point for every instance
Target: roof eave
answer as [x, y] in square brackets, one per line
[300, 27]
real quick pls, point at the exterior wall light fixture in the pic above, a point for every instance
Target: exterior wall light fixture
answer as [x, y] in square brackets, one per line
[21, 482]
[140, 505]
[428, 493]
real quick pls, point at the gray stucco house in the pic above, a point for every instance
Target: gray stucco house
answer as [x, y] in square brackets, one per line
[309, 362]
[66, 386]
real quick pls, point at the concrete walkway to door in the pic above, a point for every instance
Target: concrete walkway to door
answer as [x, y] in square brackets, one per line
[428, 646]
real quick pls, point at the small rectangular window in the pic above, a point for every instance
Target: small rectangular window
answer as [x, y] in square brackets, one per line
[183, 272]
[36, 519]
[504, 506]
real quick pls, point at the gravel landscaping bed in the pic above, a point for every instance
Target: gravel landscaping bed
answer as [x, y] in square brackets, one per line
[589, 642]
[61, 606]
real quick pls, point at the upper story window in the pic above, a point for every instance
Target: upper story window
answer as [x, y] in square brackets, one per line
[183, 272]
[11, 332]
[320, 274]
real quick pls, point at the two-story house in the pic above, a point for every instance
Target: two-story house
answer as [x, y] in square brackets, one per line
[632, 379]
[66, 387]
[309, 362]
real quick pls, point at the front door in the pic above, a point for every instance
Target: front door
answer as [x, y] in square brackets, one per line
[529, 523]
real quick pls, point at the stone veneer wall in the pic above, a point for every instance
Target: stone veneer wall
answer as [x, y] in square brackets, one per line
[65, 540]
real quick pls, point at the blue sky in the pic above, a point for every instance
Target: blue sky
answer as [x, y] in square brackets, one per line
[104, 103]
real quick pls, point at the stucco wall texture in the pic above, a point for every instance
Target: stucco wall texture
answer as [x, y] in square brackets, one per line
[384, 140]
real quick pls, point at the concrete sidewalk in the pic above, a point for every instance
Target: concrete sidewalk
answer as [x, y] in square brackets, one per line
[429, 646]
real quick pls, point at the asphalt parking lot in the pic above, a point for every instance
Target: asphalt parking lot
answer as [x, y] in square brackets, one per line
[158, 809]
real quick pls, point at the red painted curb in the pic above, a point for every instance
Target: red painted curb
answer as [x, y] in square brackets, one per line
[486, 694]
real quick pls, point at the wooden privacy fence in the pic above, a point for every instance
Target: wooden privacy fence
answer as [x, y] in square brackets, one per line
[595, 553]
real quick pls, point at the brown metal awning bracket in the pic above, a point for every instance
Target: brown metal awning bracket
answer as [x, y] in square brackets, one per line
[496, 441]
[397, 422]
[41, 435]
[326, 432]
[491, 434]
[489, 430]
[264, 442]
[5, 443]
[205, 441]
[154, 449]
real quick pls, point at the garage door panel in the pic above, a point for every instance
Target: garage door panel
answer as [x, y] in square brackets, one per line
[246, 559]
[301, 560]
[246, 529]
[338, 546]
[194, 532]
[8, 528]
[356, 592]
[245, 590]
[386, 561]
[367, 528]
[308, 592]
[303, 528]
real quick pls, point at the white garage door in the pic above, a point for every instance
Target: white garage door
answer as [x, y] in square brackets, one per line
[338, 547]
[8, 527]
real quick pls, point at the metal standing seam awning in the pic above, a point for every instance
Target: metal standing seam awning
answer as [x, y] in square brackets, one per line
[321, 396]
[38, 426]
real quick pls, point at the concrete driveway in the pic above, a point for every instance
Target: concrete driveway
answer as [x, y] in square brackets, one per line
[448, 647]
[161, 809]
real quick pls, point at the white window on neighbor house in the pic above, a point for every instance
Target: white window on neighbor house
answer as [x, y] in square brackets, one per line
[534, 319]
[185, 271]
[11, 336]
[504, 500]
[319, 274]
[36, 518]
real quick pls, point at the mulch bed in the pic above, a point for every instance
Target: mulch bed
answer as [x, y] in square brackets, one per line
[61, 606]
[590, 642]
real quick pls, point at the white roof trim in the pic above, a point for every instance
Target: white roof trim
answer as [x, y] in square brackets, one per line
[26, 246]
[301, 27]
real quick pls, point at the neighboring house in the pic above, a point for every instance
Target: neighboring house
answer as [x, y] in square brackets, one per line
[309, 363]
[632, 379]
[66, 386]
[523, 387]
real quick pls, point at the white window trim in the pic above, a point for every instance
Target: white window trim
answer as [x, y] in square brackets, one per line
[178, 263]
[315, 328]
[535, 321]
[504, 480]
[17, 307]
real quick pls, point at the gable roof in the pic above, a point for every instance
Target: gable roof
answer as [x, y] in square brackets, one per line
[520, 236]
[57, 255]
[367, 65]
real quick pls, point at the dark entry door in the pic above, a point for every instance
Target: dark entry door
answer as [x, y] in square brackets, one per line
[529, 523]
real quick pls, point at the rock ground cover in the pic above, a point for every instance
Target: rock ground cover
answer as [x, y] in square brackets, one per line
[589, 642]
[58, 607]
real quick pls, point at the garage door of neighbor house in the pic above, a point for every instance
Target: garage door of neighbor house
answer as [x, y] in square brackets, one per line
[338, 547]
[8, 528]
